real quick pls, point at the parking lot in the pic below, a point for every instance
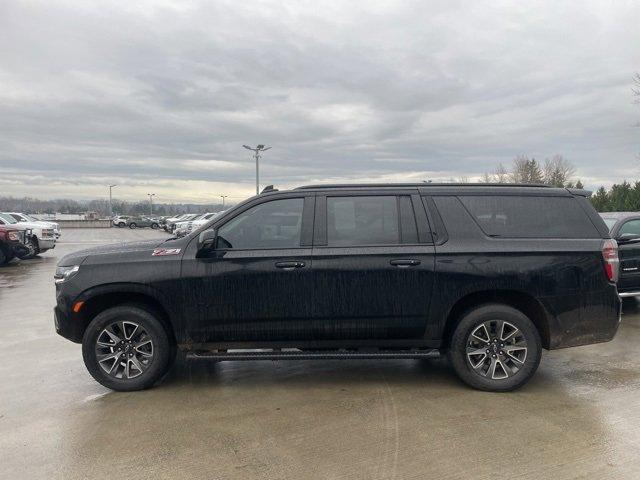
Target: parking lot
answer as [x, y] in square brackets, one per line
[578, 418]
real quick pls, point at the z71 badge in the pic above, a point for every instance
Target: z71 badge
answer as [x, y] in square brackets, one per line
[160, 252]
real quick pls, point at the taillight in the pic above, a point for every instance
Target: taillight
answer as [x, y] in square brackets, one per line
[611, 261]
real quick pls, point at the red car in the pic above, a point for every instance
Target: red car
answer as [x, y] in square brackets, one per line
[12, 243]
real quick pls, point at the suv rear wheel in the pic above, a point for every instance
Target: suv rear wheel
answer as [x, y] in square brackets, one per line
[132, 225]
[495, 348]
[126, 348]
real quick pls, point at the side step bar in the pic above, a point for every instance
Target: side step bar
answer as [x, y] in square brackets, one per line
[293, 354]
[629, 294]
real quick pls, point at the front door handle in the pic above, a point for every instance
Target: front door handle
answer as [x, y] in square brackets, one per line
[290, 265]
[405, 262]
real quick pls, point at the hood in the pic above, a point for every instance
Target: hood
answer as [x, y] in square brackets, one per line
[31, 225]
[123, 248]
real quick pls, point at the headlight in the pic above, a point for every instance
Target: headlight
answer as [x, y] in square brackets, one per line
[65, 273]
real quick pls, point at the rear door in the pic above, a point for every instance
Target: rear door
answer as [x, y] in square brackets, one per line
[373, 265]
[629, 258]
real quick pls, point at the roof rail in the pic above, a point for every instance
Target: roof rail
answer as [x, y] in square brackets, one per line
[421, 184]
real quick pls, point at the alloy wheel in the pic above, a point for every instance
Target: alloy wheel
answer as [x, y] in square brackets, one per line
[124, 349]
[496, 349]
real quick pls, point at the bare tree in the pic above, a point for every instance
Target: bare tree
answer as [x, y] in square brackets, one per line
[558, 171]
[526, 170]
[486, 178]
[501, 175]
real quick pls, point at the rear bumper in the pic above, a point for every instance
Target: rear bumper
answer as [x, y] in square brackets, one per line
[583, 319]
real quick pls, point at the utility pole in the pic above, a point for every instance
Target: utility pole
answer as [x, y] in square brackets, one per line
[223, 197]
[110, 209]
[257, 150]
[151, 195]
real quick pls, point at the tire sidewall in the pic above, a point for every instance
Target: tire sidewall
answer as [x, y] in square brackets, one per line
[471, 320]
[161, 348]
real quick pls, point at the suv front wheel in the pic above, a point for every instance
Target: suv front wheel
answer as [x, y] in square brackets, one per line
[126, 348]
[495, 348]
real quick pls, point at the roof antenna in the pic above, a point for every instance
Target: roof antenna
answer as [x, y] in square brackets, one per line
[268, 188]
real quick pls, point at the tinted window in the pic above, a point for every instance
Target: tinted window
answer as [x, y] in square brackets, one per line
[632, 226]
[514, 216]
[273, 224]
[408, 227]
[353, 221]
[610, 222]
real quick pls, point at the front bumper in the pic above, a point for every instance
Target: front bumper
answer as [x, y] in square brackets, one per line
[46, 244]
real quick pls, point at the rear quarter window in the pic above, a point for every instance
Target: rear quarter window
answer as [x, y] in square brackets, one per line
[529, 216]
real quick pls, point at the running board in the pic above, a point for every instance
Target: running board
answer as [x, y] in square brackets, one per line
[291, 354]
[629, 294]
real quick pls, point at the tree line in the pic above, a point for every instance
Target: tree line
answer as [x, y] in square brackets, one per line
[63, 205]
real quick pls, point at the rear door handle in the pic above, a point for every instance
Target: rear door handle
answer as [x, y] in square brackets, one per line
[405, 262]
[290, 265]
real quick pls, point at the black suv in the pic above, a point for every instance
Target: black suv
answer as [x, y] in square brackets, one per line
[489, 274]
[625, 228]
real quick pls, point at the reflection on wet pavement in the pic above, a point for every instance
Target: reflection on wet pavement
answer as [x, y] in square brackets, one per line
[579, 417]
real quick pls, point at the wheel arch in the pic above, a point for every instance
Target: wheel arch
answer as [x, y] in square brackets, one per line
[99, 299]
[521, 301]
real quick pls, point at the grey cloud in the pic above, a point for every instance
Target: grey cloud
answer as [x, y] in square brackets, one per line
[147, 91]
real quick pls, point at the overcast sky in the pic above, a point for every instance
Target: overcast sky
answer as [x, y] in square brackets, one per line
[160, 96]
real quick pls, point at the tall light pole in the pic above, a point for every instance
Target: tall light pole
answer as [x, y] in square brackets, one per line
[110, 210]
[151, 195]
[257, 150]
[223, 197]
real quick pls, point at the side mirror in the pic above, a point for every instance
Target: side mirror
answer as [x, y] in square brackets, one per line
[207, 241]
[628, 238]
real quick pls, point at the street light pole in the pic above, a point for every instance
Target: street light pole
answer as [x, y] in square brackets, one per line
[223, 197]
[110, 209]
[151, 195]
[257, 150]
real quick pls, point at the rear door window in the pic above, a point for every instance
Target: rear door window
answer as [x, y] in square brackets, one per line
[529, 216]
[362, 220]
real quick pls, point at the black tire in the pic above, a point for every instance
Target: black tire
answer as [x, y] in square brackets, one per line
[122, 225]
[162, 349]
[132, 225]
[154, 226]
[4, 257]
[518, 372]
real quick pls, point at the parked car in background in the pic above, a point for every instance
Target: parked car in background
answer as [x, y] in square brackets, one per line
[12, 243]
[23, 217]
[170, 224]
[488, 274]
[142, 222]
[120, 220]
[625, 228]
[184, 228]
[38, 241]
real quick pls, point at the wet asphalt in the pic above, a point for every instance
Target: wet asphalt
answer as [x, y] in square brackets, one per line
[403, 419]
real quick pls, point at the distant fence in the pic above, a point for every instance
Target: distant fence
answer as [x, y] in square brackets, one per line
[83, 223]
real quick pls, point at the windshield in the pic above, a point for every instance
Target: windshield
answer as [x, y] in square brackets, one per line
[610, 222]
[29, 217]
[7, 219]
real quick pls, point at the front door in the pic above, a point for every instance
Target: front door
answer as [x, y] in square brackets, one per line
[257, 283]
[373, 274]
